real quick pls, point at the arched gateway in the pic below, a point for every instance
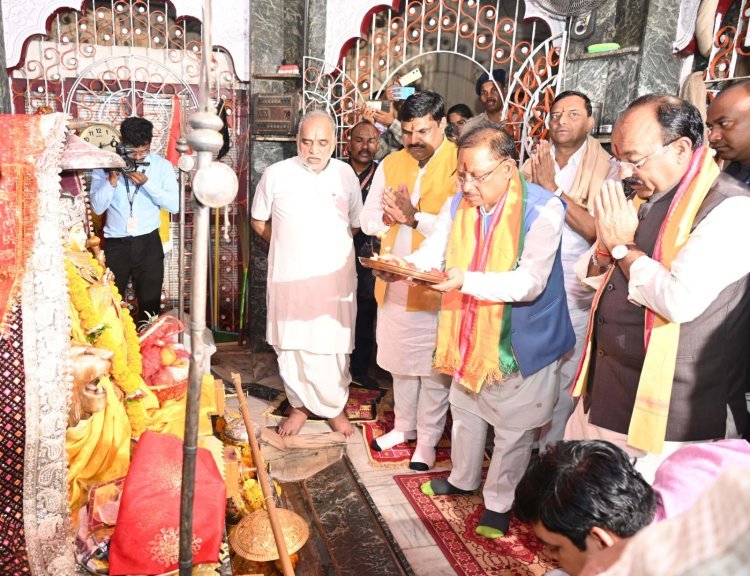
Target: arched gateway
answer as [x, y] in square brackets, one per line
[483, 35]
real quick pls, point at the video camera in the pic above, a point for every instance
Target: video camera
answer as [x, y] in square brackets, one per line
[131, 164]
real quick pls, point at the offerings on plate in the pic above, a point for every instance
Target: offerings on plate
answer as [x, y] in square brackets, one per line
[165, 361]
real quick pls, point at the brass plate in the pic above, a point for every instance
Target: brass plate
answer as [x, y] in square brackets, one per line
[429, 277]
[253, 537]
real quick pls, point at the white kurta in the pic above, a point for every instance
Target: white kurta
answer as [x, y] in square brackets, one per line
[406, 340]
[312, 281]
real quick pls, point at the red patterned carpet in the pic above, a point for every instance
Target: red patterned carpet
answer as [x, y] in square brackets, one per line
[400, 454]
[362, 405]
[452, 519]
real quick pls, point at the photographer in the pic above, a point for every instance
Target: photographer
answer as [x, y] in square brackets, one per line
[132, 199]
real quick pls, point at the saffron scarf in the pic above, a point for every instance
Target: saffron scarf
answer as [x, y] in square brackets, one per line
[473, 342]
[648, 423]
[437, 185]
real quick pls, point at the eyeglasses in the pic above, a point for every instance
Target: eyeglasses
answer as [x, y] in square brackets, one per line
[464, 179]
[634, 166]
[140, 152]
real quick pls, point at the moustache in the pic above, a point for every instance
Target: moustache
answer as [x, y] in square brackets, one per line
[416, 146]
[628, 183]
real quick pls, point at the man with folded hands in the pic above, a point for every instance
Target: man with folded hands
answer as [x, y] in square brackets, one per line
[408, 189]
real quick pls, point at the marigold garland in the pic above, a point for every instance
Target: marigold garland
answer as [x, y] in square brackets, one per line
[126, 363]
[136, 416]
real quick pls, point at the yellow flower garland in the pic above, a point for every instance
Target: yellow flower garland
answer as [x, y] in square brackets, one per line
[126, 364]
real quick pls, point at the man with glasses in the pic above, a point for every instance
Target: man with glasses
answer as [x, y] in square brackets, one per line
[132, 201]
[666, 359]
[504, 321]
[408, 190]
[574, 166]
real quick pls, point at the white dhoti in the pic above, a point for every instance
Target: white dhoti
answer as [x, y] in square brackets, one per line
[579, 428]
[514, 408]
[319, 382]
[554, 430]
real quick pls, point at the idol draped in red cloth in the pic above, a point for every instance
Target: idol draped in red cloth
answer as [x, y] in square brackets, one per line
[147, 535]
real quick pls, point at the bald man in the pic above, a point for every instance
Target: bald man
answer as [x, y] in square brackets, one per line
[315, 202]
[728, 122]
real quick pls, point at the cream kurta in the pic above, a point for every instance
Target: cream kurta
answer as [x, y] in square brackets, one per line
[312, 281]
[406, 340]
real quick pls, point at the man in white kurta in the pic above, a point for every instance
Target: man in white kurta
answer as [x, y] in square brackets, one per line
[574, 166]
[407, 191]
[307, 208]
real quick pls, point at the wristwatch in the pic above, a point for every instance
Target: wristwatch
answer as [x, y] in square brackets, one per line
[620, 251]
[416, 219]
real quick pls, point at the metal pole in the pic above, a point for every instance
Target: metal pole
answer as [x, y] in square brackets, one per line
[206, 140]
[182, 148]
[305, 28]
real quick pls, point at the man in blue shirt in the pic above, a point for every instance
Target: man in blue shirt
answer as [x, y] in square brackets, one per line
[132, 200]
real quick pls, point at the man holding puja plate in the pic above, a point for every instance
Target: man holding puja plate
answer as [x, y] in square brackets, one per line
[504, 322]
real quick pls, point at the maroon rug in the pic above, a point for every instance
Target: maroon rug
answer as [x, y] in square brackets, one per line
[451, 521]
[400, 454]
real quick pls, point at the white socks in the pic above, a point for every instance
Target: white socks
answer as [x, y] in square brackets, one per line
[423, 458]
[392, 438]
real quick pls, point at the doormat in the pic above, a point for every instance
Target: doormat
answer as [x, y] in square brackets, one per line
[451, 521]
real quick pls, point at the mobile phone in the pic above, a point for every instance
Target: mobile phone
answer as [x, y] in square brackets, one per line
[382, 105]
[403, 92]
[410, 77]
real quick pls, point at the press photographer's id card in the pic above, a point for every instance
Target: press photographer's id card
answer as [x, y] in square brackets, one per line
[132, 225]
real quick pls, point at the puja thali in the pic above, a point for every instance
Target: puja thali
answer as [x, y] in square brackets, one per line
[385, 266]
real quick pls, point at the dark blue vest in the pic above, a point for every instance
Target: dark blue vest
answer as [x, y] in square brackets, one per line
[541, 331]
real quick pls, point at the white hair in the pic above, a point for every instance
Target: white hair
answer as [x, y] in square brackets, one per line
[317, 113]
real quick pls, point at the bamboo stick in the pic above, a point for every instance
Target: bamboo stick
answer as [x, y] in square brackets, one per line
[265, 485]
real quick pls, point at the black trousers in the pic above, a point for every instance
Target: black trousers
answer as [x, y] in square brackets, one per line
[142, 259]
[364, 329]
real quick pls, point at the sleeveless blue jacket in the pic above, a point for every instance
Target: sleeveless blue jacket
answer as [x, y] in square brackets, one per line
[541, 331]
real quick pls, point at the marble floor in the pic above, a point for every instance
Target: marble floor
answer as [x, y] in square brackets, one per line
[416, 543]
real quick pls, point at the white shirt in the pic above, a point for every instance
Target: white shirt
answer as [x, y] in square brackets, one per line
[524, 283]
[573, 244]
[406, 340]
[714, 256]
[311, 275]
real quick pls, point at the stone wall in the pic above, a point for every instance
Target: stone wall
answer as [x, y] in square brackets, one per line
[276, 34]
[644, 63]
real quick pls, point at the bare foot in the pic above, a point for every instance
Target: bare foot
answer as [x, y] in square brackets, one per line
[340, 423]
[294, 422]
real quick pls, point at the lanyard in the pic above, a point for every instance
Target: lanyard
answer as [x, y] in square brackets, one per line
[131, 198]
[363, 183]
